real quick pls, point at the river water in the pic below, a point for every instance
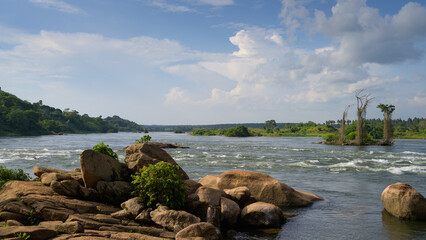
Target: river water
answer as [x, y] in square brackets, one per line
[350, 179]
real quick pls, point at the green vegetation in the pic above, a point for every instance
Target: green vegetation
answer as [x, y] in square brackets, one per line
[240, 131]
[19, 118]
[22, 235]
[160, 183]
[144, 139]
[105, 149]
[12, 174]
[411, 128]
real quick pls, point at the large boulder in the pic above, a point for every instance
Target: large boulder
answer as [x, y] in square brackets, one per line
[143, 154]
[202, 230]
[134, 206]
[265, 188]
[230, 211]
[262, 215]
[405, 202]
[172, 219]
[97, 167]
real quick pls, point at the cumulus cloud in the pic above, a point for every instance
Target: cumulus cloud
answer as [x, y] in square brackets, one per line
[57, 5]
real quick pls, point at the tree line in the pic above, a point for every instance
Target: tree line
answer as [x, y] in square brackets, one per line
[20, 117]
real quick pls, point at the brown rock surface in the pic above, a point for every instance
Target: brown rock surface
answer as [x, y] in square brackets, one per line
[203, 230]
[266, 188]
[36, 232]
[114, 192]
[96, 167]
[209, 181]
[262, 214]
[405, 202]
[172, 219]
[143, 154]
[230, 211]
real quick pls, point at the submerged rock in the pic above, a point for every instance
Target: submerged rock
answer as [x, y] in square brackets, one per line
[403, 201]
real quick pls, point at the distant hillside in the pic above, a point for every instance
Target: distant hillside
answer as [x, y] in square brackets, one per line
[20, 118]
[124, 125]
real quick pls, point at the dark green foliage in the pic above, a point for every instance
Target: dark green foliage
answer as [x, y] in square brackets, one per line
[331, 138]
[240, 131]
[105, 149]
[160, 183]
[124, 125]
[144, 139]
[270, 126]
[12, 174]
[18, 117]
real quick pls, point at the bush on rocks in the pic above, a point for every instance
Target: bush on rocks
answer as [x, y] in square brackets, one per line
[160, 183]
[12, 174]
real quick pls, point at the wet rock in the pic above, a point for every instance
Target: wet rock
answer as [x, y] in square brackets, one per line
[403, 201]
[262, 215]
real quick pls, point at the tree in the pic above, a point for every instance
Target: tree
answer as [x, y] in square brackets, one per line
[342, 125]
[362, 101]
[270, 125]
[387, 122]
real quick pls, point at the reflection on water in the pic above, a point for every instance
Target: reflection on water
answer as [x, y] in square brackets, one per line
[402, 229]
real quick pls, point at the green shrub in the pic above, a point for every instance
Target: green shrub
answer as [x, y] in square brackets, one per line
[12, 174]
[105, 149]
[352, 136]
[331, 137]
[143, 139]
[240, 131]
[160, 183]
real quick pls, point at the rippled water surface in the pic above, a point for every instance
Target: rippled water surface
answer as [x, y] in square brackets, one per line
[350, 179]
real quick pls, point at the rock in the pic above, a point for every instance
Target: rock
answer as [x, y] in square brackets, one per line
[36, 232]
[96, 167]
[93, 221]
[203, 230]
[191, 186]
[114, 192]
[5, 215]
[209, 195]
[143, 154]
[60, 227]
[133, 206]
[230, 211]
[122, 214]
[144, 216]
[39, 171]
[67, 187]
[241, 195]
[172, 219]
[403, 201]
[11, 222]
[166, 145]
[89, 194]
[209, 181]
[38, 202]
[106, 235]
[266, 189]
[48, 177]
[262, 215]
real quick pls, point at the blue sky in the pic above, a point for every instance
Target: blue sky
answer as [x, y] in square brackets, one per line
[215, 61]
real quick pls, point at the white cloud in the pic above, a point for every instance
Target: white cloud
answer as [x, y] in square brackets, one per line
[168, 7]
[217, 3]
[57, 5]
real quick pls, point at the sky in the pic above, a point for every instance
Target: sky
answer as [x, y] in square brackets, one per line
[215, 61]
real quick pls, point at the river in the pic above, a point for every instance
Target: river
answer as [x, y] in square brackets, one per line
[349, 178]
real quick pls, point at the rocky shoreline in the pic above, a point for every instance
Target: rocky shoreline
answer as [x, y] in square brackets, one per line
[94, 202]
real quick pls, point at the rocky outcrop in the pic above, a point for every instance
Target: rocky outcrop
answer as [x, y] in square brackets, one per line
[203, 230]
[265, 188]
[143, 154]
[97, 167]
[172, 219]
[403, 201]
[264, 215]
[35, 232]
